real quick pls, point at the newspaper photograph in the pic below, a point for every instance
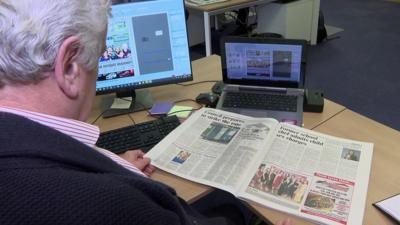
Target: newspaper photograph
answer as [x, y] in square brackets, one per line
[279, 183]
[329, 197]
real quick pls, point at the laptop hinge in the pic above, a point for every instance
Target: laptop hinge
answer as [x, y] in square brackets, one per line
[269, 89]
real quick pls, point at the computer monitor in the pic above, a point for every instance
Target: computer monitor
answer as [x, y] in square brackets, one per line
[146, 46]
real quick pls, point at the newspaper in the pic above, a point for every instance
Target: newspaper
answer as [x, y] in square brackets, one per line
[295, 170]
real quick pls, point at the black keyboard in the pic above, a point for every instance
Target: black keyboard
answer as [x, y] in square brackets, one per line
[139, 136]
[277, 102]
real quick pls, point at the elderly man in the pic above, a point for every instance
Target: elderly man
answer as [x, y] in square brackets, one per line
[50, 171]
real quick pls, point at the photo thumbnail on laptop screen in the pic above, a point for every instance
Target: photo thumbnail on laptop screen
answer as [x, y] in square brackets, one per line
[266, 62]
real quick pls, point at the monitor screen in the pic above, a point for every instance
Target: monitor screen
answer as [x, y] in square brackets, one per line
[146, 46]
[263, 61]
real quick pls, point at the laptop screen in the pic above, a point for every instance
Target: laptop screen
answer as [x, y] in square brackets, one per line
[263, 62]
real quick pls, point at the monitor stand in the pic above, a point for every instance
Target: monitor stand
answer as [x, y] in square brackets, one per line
[141, 100]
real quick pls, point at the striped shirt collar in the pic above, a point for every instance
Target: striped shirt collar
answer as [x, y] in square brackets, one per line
[83, 132]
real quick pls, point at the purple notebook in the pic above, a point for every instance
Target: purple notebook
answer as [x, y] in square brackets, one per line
[161, 108]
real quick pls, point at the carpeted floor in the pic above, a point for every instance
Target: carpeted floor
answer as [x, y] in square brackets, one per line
[361, 69]
[394, 1]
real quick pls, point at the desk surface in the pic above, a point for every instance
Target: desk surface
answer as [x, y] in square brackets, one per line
[335, 120]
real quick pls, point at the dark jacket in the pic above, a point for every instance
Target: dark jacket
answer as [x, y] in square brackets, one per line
[47, 177]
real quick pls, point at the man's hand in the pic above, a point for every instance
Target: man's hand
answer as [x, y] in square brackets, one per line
[136, 157]
[284, 222]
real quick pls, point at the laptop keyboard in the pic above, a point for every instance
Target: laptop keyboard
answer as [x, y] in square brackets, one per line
[263, 101]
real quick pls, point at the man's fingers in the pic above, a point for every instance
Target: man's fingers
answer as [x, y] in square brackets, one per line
[136, 157]
[284, 222]
[149, 169]
[132, 155]
[137, 153]
[141, 163]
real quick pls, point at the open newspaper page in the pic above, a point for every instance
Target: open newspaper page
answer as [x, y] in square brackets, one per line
[312, 175]
[214, 147]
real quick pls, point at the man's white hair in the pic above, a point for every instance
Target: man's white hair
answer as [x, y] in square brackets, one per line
[32, 31]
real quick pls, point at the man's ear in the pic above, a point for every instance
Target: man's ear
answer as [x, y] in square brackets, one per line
[67, 69]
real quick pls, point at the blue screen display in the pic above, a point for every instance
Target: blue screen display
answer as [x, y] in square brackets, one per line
[146, 45]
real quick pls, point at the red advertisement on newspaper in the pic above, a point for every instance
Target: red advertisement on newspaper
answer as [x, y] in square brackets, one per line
[329, 197]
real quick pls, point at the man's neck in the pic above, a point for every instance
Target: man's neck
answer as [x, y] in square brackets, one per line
[32, 99]
[19, 105]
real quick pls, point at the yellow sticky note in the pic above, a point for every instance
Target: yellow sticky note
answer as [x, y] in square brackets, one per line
[180, 111]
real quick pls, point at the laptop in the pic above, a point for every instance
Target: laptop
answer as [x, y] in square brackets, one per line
[263, 77]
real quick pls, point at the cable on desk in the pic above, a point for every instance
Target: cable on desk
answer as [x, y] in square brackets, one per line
[187, 100]
[191, 100]
[185, 110]
[200, 82]
[149, 114]
[144, 107]
[312, 128]
[130, 117]
[98, 117]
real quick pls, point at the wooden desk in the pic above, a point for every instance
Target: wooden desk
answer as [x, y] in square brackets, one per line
[204, 69]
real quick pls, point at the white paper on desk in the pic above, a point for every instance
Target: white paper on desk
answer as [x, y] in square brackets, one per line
[391, 206]
[121, 103]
